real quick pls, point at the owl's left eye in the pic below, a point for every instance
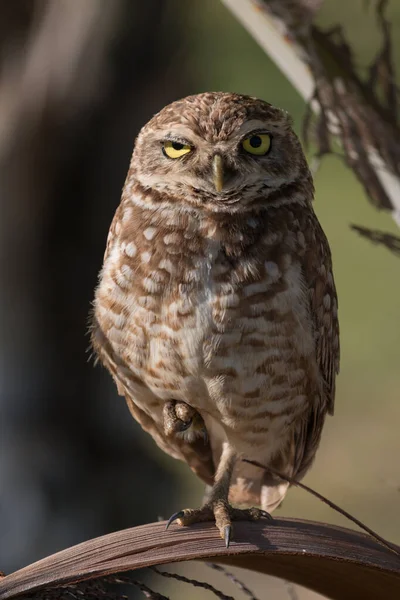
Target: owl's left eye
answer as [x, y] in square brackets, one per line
[258, 144]
[175, 149]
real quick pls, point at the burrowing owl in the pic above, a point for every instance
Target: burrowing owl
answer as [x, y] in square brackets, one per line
[216, 311]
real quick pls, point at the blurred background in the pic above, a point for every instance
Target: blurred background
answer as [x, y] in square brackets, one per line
[77, 81]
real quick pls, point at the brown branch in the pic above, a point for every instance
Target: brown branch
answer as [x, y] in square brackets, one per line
[333, 561]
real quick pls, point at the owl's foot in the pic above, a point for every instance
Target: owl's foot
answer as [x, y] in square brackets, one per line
[180, 417]
[222, 513]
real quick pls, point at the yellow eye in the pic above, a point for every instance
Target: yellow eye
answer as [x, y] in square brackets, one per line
[257, 144]
[175, 149]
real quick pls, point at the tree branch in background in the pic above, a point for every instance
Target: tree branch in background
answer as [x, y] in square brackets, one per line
[390, 241]
[361, 114]
[59, 65]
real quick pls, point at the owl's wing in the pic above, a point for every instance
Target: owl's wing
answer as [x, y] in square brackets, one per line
[112, 232]
[317, 269]
[197, 454]
[317, 272]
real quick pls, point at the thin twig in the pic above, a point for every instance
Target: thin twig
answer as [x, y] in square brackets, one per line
[149, 593]
[194, 582]
[335, 507]
[390, 241]
[234, 579]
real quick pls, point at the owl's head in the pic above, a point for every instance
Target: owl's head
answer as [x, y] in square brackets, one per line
[220, 152]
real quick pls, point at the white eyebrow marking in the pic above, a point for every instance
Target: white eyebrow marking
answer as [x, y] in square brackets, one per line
[251, 125]
[179, 131]
[255, 124]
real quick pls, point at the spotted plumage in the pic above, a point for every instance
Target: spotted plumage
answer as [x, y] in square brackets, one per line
[216, 311]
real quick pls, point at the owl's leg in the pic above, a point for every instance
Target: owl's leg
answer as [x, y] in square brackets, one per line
[217, 506]
[179, 417]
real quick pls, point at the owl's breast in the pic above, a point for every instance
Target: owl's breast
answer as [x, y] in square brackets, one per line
[156, 311]
[184, 335]
[228, 336]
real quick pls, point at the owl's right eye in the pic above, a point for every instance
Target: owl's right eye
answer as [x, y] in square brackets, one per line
[175, 149]
[258, 144]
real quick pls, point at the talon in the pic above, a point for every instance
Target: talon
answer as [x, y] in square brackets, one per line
[227, 534]
[266, 514]
[175, 517]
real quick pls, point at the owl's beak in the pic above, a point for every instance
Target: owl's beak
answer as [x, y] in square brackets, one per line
[218, 172]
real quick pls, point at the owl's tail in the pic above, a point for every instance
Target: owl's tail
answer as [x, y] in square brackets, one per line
[272, 494]
[254, 486]
[265, 491]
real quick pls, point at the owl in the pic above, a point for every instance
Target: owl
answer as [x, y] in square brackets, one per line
[216, 309]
